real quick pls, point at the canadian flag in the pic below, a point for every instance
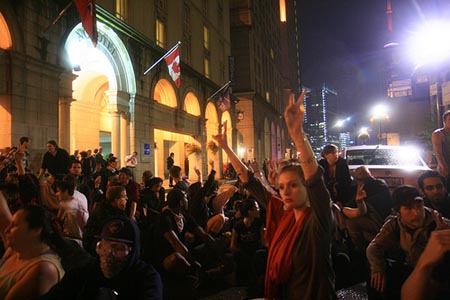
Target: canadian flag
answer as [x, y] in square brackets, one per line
[86, 10]
[173, 64]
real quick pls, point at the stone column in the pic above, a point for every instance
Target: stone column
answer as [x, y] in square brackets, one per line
[124, 141]
[64, 122]
[120, 109]
[115, 135]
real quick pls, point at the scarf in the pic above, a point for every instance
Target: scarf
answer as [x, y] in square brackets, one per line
[281, 242]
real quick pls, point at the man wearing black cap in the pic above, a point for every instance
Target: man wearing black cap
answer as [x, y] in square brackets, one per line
[117, 274]
[408, 231]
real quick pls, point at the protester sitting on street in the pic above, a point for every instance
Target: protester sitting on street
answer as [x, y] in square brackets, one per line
[72, 214]
[176, 174]
[433, 187]
[430, 277]
[48, 196]
[109, 170]
[132, 187]
[299, 220]
[408, 231]
[113, 206]
[31, 264]
[374, 204]
[198, 205]
[84, 184]
[246, 240]
[336, 175]
[153, 196]
[25, 183]
[146, 175]
[172, 255]
[119, 273]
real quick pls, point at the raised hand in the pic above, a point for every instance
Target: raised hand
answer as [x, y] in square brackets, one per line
[294, 114]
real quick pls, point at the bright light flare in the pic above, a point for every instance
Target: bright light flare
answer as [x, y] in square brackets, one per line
[341, 123]
[407, 157]
[241, 151]
[380, 111]
[430, 44]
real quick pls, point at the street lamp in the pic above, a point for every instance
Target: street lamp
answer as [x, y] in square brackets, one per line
[379, 113]
[429, 47]
[363, 135]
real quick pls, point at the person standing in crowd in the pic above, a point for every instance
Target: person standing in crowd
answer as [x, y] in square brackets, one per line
[440, 139]
[299, 263]
[119, 273]
[99, 159]
[55, 161]
[169, 164]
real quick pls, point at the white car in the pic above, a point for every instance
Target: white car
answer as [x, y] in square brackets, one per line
[397, 165]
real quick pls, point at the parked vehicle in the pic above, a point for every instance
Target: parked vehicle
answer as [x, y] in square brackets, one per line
[397, 165]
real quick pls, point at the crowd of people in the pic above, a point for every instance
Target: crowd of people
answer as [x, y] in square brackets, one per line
[82, 228]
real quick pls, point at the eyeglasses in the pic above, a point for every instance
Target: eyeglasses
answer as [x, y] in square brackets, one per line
[118, 249]
[438, 186]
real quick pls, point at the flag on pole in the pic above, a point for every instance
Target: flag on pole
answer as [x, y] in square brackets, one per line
[173, 64]
[223, 99]
[86, 10]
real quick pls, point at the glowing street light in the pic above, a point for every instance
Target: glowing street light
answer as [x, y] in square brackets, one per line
[429, 46]
[380, 114]
[341, 122]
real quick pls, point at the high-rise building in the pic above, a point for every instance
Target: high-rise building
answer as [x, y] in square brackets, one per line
[265, 52]
[318, 104]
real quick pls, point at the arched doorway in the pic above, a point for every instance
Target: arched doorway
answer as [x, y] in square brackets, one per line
[212, 128]
[102, 113]
[5, 99]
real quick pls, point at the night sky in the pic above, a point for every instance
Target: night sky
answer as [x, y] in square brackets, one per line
[342, 46]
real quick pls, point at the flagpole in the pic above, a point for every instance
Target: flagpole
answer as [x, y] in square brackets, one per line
[59, 16]
[164, 56]
[219, 90]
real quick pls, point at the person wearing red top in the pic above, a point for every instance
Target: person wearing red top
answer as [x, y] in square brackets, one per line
[132, 187]
[299, 219]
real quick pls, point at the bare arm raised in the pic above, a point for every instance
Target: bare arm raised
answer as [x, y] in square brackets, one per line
[241, 169]
[294, 116]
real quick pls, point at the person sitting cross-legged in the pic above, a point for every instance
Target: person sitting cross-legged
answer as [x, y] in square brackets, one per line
[172, 256]
[402, 239]
[118, 273]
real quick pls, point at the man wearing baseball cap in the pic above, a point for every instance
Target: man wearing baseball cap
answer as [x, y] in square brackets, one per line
[119, 273]
[407, 233]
